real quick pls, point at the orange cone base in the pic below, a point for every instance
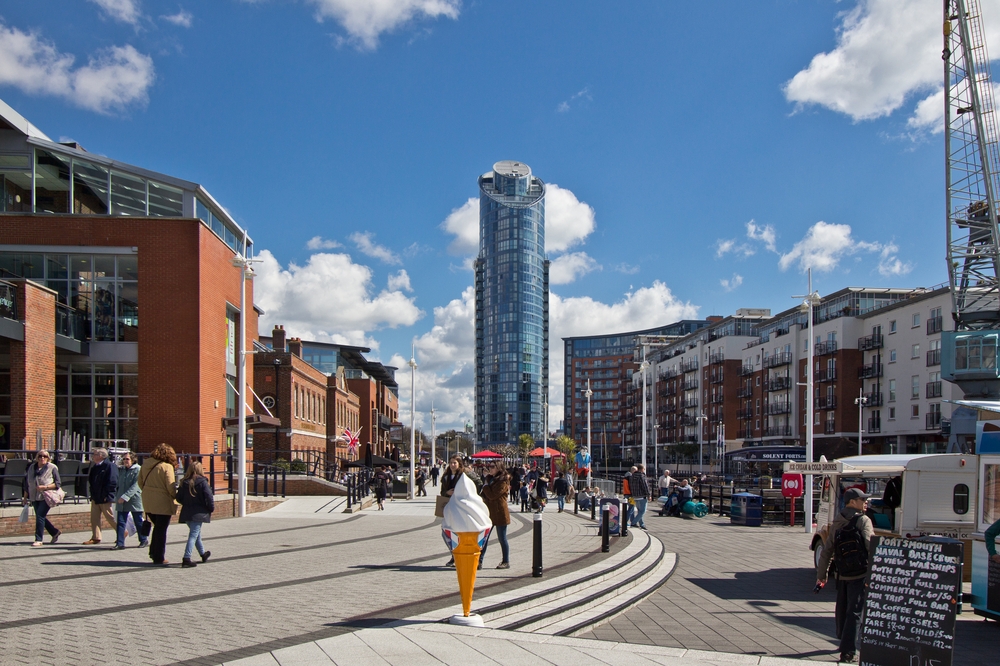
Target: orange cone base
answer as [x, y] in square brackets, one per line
[466, 561]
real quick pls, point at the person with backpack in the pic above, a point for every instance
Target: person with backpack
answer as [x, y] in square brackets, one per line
[847, 544]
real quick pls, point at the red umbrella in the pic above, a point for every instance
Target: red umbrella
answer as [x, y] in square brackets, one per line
[540, 452]
[486, 454]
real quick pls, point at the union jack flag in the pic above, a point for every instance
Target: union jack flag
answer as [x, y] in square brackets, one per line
[352, 439]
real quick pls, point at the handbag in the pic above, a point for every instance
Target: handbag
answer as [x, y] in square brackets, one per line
[54, 497]
[145, 528]
[440, 501]
[25, 514]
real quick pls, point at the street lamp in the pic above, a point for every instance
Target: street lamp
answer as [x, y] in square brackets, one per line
[643, 368]
[810, 300]
[701, 418]
[860, 401]
[413, 433]
[590, 450]
[656, 450]
[246, 273]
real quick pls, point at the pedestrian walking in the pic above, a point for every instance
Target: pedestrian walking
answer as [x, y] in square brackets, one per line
[380, 484]
[156, 479]
[421, 480]
[103, 482]
[847, 543]
[515, 482]
[496, 489]
[434, 475]
[561, 487]
[540, 492]
[664, 483]
[639, 487]
[627, 494]
[128, 500]
[41, 477]
[197, 504]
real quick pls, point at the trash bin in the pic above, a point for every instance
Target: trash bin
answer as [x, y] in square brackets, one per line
[747, 509]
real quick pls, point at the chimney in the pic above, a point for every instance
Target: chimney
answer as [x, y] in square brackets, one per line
[295, 347]
[278, 338]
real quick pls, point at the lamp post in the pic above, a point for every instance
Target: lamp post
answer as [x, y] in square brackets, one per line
[656, 450]
[413, 433]
[589, 393]
[434, 444]
[809, 301]
[701, 418]
[643, 368]
[860, 401]
[246, 273]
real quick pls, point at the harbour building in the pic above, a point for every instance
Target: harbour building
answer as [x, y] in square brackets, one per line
[512, 306]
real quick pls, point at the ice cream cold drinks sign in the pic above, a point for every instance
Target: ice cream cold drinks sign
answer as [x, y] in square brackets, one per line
[912, 600]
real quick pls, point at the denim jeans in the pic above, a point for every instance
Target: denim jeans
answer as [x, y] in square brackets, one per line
[120, 526]
[850, 600]
[640, 511]
[562, 501]
[42, 523]
[501, 532]
[194, 540]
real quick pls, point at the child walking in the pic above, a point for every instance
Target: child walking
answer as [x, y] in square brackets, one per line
[197, 504]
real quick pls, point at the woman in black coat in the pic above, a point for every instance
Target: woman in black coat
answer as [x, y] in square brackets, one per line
[197, 504]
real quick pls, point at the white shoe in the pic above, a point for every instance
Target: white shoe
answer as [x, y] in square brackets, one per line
[37, 544]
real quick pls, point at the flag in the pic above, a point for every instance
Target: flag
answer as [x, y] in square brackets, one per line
[352, 439]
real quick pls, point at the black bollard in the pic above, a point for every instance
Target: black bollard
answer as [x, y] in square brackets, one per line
[349, 492]
[623, 515]
[593, 508]
[536, 556]
[605, 529]
[576, 504]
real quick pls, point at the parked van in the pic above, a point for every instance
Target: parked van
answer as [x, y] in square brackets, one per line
[911, 495]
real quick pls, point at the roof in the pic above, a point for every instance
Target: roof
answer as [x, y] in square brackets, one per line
[18, 122]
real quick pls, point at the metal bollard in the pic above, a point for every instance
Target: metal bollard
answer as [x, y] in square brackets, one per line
[606, 529]
[624, 518]
[593, 508]
[536, 556]
[576, 504]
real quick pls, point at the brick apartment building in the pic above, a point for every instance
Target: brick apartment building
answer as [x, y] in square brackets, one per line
[84, 241]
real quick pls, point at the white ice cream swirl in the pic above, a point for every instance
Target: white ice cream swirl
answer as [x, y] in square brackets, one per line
[466, 511]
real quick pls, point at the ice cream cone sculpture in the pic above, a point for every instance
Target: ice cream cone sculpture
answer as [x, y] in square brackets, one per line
[465, 528]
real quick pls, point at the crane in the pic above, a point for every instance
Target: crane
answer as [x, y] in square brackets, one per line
[972, 169]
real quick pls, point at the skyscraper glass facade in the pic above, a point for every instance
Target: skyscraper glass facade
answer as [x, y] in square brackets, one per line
[512, 306]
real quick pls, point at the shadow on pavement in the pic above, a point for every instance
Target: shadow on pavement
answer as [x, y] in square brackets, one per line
[773, 584]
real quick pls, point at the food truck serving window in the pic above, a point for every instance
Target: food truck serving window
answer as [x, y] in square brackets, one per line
[991, 494]
[960, 499]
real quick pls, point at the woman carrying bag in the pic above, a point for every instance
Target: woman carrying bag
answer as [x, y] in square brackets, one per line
[43, 478]
[197, 505]
[495, 493]
[156, 479]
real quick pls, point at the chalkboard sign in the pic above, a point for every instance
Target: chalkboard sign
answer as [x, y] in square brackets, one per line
[912, 601]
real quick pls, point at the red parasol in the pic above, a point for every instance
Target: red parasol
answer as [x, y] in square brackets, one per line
[486, 454]
[540, 452]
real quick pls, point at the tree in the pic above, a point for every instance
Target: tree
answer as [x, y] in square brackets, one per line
[525, 443]
[566, 446]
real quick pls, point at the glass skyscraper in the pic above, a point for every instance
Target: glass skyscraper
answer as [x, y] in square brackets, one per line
[512, 306]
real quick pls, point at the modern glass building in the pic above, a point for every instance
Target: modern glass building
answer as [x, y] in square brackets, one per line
[512, 306]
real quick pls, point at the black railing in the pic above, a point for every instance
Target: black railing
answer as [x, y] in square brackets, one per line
[827, 375]
[746, 370]
[873, 399]
[873, 341]
[874, 425]
[870, 370]
[779, 383]
[783, 407]
[826, 402]
[744, 392]
[933, 390]
[932, 421]
[778, 431]
[777, 359]
[718, 379]
[71, 323]
[829, 427]
[934, 325]
[933, 357]
[824, 348]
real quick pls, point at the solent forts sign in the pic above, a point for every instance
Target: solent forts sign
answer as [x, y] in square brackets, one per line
[913, 594]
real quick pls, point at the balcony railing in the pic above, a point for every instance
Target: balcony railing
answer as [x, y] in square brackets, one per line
[778, 431]
[744, 392]
[744, 434]
[746, 370]
[826, 402]
[934, 325]
[689, 403]
[933, 389]
[827, 375]
[783, 407]
[744, 414]
[718, 379]
[668, 390]
[717, 399]
[824, 348]
[689, 366]
[778, 359]
[873, 399]
[716, 358]
[870, 342]
[829, 427]
[874, 425]
[870, 370]
[779, 383]
[686, 420]
[933, 357]
[70, 322]
[689, 384]
[933, 421]
[8, 300]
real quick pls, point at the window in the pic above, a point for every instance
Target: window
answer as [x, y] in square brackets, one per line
[960, 499]
[892, 390]
[915, 386]
[915, 351]
[914, 411]
[892, 413]
[892, 356]
[892, 326]
[916, 319]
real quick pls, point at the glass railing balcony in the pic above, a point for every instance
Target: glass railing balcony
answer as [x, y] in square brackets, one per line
[71, 323]
[8, 300]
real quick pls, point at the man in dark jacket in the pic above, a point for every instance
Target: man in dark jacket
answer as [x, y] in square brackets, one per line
[562, 490]
[850, 585]
[639, 486]
[103, 482]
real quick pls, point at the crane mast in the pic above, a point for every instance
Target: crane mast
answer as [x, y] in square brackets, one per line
[972, 154]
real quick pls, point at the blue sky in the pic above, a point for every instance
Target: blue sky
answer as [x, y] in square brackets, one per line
[698, 161]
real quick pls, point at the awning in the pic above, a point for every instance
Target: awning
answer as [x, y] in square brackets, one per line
[253, 421]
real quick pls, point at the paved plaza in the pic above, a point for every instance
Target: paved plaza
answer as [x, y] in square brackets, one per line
[305, 583]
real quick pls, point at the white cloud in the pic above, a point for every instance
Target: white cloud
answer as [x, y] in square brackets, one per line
[764, 234]
[181, 19]
[755, 232]
[463, 222]
[627, 269]
[400, 281]
[113, 79]
[367, 246]
[732, 283]
[320, 243]
[890, 265]
[330, 298]
[568, 221]
[568, 267]
[584, 94]
[887, 52]
[125, 11]
[365, 20]
[824, 245]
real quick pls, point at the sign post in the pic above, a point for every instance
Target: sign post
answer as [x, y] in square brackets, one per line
[791, 486]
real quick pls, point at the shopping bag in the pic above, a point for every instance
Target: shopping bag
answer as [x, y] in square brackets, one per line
[440, 501]
[130, 525]
[25, 514]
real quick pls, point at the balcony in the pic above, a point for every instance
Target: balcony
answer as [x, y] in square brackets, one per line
[744, 414]
[716, 358]
[827, 375]
[873, 399]
[826, 402]
[934, 325]
[933, 390]
[778, 431]
[689, 403]
[870, 370]
[829, 427]
[718, 379]
[668, 390]
[874, 425]
[746, 370]
[744, 392]
[744, 434]
[783, 407]
[932, 421]
[689, 384]
[824, 348]
[779, 383]
[688, 439]
[778, 359]
[716, 399]
[870, 342]
[933, 357]
[689, 366]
